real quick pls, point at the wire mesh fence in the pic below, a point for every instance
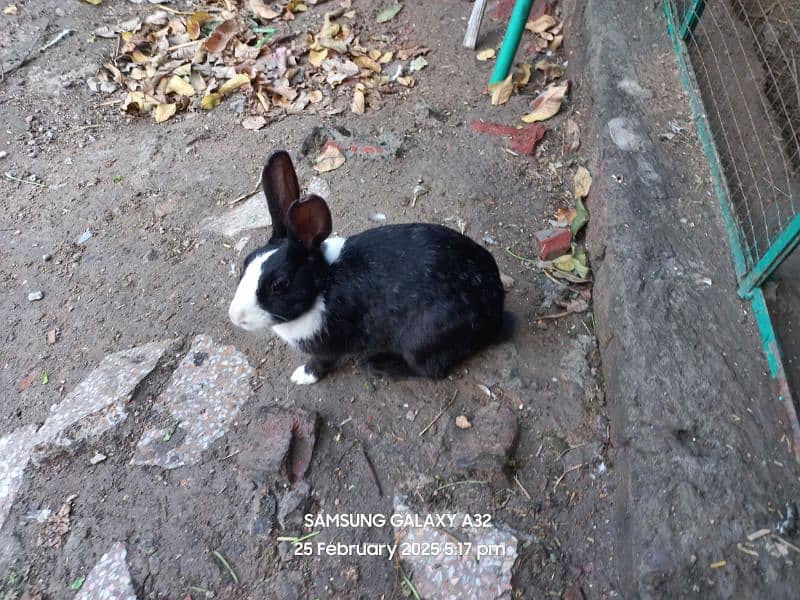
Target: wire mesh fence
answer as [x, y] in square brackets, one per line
[746, 59]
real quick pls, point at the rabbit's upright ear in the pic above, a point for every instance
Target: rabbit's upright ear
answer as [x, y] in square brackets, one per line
[309, 221]
[279, 181]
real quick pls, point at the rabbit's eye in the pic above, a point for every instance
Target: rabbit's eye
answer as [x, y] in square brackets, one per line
[279, 284]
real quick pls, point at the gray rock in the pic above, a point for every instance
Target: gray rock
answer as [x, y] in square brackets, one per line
[488, 444]
[292, 500]
[34, 296]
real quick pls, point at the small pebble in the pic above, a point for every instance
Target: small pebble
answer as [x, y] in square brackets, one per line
[84, 237]
[97, 458]
[3, 153]
[34, 296]
[46, 257]
[462, 422]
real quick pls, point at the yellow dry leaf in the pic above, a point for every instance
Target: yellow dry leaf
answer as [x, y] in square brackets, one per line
[315, 96]
[163, 112]
[548, 103]
[210, 101]
[194, 22]
[357, 106]
[11, 9]
[406, 81]
[262, 11]
[386, 58]
[522, 75]
[556, 43]
[329, 159]
[93, 2]
[315, 57]
[374, 54]
[486, 54]
[233, 83]
[179, 86]
[582, 182]
[139, 57]
[550, 70]
[565, 263]
[365, 62]
[501, 91]
[137, 102]
[541, 24]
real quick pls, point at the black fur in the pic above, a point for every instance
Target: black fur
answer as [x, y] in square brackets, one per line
[415, 299]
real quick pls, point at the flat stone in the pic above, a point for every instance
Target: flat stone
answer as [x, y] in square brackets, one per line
[270, 437]
[250, 214]
[488, 444]
[460, 574]
[98, 403]
[198, 405]
[15, 453]
[109, 578]
[34, 296]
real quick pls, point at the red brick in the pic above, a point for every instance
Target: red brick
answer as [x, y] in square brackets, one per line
[553, 242]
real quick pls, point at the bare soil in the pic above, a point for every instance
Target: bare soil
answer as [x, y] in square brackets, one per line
[150, 273]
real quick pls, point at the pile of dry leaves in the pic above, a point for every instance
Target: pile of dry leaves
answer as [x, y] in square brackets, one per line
[172, 61]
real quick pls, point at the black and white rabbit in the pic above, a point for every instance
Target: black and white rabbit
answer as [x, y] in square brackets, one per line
[414, 299]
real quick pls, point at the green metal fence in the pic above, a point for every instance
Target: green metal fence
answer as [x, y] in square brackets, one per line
[740, 61]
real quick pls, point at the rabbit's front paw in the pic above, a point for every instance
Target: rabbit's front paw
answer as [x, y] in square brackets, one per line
[301, 376]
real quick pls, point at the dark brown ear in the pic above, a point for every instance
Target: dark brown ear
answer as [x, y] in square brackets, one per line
[279, 182]
[309, 221]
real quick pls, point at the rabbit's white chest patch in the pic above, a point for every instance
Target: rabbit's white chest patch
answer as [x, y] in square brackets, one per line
[304, 327]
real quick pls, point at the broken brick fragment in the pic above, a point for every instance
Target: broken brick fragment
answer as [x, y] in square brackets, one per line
[553, 242]
[523, 139]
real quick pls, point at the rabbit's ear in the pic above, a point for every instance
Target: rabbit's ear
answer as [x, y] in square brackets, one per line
[309, 221]
[279, 181]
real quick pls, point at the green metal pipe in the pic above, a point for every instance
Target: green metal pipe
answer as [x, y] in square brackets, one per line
[692, 16]
[782, 247]
[516, 25]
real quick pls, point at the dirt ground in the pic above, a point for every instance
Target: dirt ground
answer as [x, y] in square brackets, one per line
[150, 272]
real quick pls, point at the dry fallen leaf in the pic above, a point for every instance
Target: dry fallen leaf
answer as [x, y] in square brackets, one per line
[501, 91]
[357, 106]
[315, 57]
[389, 13]
[233, 83]
[582, 182]
[541, 24]
[315, 96]
[522, 75]
[486, 54]
[210, 101]
[548, 103]
[551, 70]
[573, 136]
[218, 40]
[260, 9]
[194, 22]
[179, 86]
[330, 158]
[164, 112]
[556, 43]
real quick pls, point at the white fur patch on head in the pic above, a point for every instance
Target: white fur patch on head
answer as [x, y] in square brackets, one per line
[332, 248]
[244, 310]
[303, 377]
[305, 326]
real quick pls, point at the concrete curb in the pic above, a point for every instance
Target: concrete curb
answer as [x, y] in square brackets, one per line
[696, 430]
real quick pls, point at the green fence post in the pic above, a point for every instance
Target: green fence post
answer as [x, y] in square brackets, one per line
[516, 25]
[772, 258]
[692, 16]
